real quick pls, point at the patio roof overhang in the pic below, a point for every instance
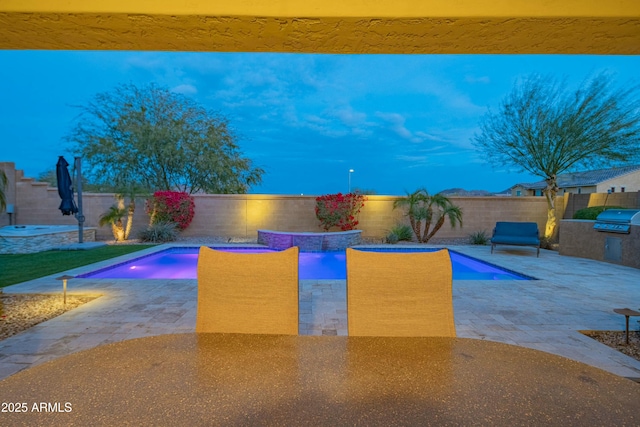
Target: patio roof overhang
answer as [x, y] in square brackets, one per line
[326, 26]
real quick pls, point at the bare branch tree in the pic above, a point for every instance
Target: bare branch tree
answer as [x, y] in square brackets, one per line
[545, 129]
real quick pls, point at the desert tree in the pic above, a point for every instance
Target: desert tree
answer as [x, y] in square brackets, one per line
[151, 138]
[49, 177]
[545, 128]
[137, 140]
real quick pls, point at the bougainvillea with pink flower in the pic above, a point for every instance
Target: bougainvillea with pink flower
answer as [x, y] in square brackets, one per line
[171, 206]
[339, 210]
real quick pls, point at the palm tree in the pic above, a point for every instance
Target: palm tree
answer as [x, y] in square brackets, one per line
[3, 184]
[433, 209]
[131, 207]
[440, 208]
[114, 217]
[414, 204]
[115, 213]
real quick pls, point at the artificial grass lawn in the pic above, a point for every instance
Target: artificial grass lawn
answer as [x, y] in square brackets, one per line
[22, 267]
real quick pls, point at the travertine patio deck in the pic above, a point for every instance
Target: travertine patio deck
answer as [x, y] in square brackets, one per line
[573, 294]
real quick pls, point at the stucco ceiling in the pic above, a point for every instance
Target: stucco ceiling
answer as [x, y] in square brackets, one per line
[329, 26]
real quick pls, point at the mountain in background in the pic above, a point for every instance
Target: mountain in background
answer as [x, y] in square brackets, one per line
[466, 193]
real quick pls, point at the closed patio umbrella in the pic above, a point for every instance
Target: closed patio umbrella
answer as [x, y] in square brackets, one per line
[65, 188]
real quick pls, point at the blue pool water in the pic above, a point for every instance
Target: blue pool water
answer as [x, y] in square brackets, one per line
[181, 263]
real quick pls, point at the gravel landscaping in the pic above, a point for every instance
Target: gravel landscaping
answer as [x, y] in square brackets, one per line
[615, 340]
[22, 311]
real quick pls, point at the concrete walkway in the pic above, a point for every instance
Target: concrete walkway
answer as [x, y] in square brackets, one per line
[573, 294]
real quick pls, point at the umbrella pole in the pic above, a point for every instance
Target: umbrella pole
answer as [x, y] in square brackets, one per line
[79, 215]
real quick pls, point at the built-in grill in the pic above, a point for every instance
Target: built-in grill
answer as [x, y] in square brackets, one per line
[617, 220]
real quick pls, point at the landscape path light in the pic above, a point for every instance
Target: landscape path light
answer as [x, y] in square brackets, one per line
[64, 287]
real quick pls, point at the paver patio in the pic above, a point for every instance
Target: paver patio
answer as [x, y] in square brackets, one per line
[573, 294]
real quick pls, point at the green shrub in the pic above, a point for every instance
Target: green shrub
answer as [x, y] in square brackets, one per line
[479, 238]
[402, 232]
[159, 232]
[592, 212]
[392, 238]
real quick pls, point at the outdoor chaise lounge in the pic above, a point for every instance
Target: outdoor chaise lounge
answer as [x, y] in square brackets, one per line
[400, 294]
[516, 233]
[248, 293]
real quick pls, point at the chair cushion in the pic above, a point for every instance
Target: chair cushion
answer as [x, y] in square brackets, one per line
[399, 294]
[516, 229]
[253, 293]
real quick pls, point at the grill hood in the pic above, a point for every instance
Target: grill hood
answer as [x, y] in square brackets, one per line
[617, 220]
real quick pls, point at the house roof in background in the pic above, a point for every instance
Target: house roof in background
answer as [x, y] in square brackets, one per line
[582, 179]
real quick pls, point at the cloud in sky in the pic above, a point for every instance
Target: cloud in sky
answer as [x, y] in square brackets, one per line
[185, 89]
[477, 79]
[400, 121]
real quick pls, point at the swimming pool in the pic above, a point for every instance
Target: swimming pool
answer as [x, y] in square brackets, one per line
[181, 263]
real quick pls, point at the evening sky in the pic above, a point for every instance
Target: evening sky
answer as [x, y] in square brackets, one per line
[399, 121]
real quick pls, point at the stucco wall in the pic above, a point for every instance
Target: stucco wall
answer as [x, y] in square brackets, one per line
[583, 190]
[579, 239]
[630, 182]
[241, 215]
[574, 202]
